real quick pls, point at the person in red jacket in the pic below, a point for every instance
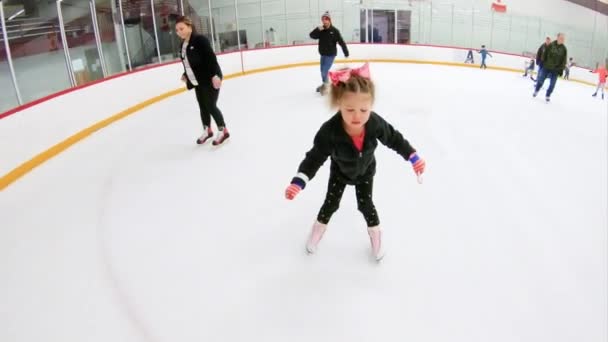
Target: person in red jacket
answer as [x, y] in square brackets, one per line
[602, 73]
[350, 138]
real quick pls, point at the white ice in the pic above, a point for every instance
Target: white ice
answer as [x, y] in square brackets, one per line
[138, 234]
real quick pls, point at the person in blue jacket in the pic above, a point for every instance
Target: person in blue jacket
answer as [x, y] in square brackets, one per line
[484, 54]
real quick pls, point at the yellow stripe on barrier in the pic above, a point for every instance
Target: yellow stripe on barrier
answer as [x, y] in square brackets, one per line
[42, 157]
[29, 165]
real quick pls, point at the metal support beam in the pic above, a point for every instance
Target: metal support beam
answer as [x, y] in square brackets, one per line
[431, 25]
[262, 23]
[7, 47]
[286, 22]
[492, 31]
[102, 60]
[124, 34]
[236, 16]
[452, 28]
[66, 49]
[366, 25]
[155, 31]
[372, 26]
[211, 24]
[396, 25]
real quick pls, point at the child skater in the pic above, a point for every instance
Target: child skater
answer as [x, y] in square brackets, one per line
[350, 138]
[569, 66]
[484, 54]
[469, 57]
[602, 74]
[530, 68]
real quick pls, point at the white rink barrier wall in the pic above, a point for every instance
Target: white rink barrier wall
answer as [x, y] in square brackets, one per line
[26, 136]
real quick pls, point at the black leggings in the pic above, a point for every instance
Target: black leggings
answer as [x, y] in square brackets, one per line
[365, 204]
[207, 103]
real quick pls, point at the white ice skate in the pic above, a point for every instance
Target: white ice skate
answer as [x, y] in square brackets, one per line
[318, 229]
[375, 238]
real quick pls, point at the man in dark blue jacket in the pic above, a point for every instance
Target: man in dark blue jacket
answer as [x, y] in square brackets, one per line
[328, 37]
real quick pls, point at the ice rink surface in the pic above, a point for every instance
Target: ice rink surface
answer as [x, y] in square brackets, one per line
[138, 234]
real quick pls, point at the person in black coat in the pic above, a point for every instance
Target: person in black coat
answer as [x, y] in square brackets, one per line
[540, 52]
[328, 37]
[554, 59]
[203, 74]
[350, 138]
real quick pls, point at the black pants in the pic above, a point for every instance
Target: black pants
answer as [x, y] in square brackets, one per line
[365, 204]
[207, 103]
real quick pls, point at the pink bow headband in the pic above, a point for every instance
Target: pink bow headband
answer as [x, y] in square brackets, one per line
[345, 74]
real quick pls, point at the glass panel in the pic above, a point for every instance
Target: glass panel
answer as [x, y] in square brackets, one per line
[533, 37]
[223, 12]
[198, 11]
[299, 25]
[302, 17]
[37, 49]
[425, 23]
[364, 22]
[274, 22]
[463, 27]
[500, 32]
[441, 30]
[166, 13]
[517, 37]
[383, 30]
[404, 20]
[351, 25]
[250, 21]
[81, 41]
[482, 25]
[415, 24]
[112, 41]
[139, 30]
[8, 96]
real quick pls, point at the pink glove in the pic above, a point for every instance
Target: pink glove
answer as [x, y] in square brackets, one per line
[417, 163]
[292, 191]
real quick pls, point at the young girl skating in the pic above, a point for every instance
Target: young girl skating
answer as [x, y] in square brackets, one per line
[601, 83]
[350, 138]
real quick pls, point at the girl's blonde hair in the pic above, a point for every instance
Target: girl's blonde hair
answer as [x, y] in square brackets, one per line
[355, 84]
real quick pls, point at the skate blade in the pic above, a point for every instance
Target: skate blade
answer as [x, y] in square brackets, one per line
[376, 258]
[199, 142]
[223, 143]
